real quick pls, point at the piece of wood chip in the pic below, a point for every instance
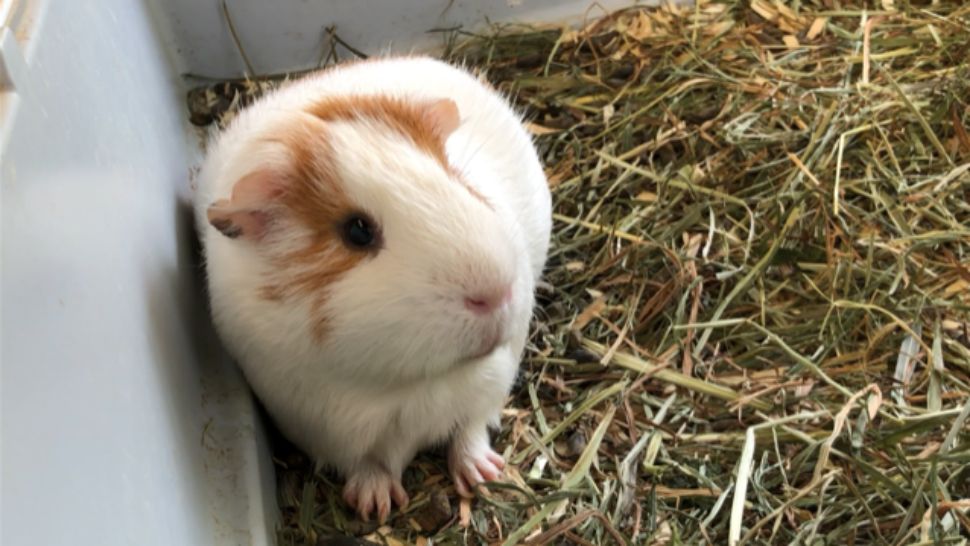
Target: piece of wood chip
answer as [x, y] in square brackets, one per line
[818, 25]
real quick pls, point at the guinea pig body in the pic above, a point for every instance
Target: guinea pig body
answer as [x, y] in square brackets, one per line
[373, 236]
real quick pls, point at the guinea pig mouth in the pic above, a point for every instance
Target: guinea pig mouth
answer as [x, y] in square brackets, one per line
[489, 343]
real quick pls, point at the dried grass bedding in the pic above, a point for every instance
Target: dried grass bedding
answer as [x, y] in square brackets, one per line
[755, 324]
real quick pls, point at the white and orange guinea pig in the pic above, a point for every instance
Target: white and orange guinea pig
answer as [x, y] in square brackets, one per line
[373, 236]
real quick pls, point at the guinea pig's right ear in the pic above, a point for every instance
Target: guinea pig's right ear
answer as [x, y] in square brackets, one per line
[443, 117]
[247, 213]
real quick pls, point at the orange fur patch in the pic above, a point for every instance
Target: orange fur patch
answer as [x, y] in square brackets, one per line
[313, 198]
[412, 120]
[407, 118]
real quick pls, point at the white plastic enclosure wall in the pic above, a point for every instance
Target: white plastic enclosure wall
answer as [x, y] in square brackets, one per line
[290, 35]
[121, 419]
[112, 389]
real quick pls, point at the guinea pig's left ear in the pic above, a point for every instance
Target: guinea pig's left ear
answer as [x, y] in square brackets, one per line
[247, 213]
[442, 115]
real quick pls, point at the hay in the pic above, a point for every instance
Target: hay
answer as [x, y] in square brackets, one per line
[756, 323]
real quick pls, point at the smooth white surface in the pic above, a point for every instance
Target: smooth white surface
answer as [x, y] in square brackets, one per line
[121, 421]
[286, 35]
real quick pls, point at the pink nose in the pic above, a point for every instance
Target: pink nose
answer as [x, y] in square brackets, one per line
[483, 303]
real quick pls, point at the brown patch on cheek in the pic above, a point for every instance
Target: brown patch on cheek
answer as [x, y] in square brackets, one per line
[312, 270]
[271, 292]
[316, 203]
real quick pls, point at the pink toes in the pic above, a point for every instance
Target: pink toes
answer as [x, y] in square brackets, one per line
[374, 491]
[495, 459]
[398, 495]
[470, 469]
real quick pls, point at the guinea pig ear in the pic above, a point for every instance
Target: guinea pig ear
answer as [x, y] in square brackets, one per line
[247, 213]
[443, 116]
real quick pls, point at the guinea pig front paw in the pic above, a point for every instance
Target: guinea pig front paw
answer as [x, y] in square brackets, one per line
[371, 489]
[471, 464]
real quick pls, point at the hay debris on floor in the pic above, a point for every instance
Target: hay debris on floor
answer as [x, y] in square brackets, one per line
[755, 326]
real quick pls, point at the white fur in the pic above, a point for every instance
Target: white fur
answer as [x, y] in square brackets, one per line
[392, 375]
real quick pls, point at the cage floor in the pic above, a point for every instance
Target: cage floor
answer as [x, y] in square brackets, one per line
[754, 325]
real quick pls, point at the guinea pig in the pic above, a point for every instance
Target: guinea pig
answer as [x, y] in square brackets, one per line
[373, 234]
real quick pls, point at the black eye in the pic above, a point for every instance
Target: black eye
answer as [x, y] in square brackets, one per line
[359, 232]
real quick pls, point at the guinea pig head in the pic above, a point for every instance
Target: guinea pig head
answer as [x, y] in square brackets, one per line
[400, 267]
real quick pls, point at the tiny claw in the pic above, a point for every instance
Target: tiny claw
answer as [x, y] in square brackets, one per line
[460, 487]
[365, 508]
[487, 470]
[372, 491]
[495, 459]
[399, 495]
[466, 479]
[471, 461]
[350, 496]
[383, 510]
